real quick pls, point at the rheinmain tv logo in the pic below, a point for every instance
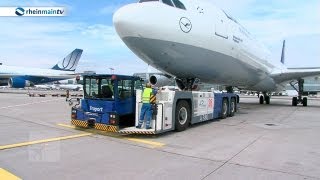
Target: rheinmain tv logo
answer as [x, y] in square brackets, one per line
[40, 11]
[20, 11]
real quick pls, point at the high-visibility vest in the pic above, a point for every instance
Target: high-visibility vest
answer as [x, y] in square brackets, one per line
[146, 95]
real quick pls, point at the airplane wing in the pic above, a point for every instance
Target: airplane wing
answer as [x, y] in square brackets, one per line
[295, 73]
[6, 76]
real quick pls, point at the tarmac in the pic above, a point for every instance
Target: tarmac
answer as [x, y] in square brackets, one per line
[275, 141]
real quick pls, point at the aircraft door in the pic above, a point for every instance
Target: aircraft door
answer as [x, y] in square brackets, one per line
[221, 26]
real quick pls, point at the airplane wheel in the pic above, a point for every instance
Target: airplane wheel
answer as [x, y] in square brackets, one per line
[224, 112]
[305, 101]
[261, 99]
[183, 115]
[267, 99]
[232, 107]
[294, 101]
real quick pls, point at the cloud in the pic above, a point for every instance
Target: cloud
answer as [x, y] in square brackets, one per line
[109, 9]
[42, 44]
[104, 32]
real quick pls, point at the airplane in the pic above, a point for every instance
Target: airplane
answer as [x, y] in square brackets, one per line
[195, 40]
[44, 86]
[20, 77]
[73, 87]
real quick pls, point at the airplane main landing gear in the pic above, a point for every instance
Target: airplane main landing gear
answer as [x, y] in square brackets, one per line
[229, 89]
[299, 99]
[264, 98]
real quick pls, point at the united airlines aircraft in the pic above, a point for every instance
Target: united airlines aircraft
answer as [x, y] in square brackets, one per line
[194, 40]
[20, 77]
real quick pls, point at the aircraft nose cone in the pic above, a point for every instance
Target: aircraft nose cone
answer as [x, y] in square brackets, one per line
[124, 20]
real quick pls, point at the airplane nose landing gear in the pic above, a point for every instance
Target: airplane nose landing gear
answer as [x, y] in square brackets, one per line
[188, 83]
[299, 99]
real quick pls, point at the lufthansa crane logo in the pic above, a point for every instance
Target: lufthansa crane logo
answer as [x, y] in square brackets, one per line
[185, 24]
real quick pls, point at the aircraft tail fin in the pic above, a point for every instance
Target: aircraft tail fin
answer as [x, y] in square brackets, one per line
[70, 62]
[283, 52]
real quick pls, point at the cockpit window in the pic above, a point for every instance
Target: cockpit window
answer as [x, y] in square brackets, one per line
[168, 2]
[173, 3]
[179, 4]
[141, 1]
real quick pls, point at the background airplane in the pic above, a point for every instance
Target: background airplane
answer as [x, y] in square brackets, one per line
[192, 40]
[73, 87]
[20, 77]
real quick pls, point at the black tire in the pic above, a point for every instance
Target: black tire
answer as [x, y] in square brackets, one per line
[267, 98]
[294, 101]
[305, 101]
[232, 107]
[182, 116]
[261, 99]
[224, 110]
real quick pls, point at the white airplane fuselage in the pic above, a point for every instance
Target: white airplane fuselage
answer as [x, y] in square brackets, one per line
[22, 71]
[199, 42]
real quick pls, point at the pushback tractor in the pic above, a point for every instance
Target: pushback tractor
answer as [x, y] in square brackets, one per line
[113, 103]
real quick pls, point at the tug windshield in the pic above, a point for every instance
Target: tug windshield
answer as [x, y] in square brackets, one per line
[98, 87]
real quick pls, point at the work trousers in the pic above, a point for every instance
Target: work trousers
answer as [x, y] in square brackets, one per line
[146, 110]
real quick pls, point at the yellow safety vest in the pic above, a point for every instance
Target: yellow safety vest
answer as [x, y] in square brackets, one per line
[146, 95]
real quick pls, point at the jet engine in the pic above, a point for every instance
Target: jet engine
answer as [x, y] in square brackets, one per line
[161, 80]
[3, 82]
[18, 82]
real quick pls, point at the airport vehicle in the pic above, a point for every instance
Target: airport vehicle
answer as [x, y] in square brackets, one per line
[107, 98]
[192, 40]
[175, 110]
[20, 77]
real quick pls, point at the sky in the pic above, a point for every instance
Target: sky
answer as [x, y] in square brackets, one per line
[43, 41]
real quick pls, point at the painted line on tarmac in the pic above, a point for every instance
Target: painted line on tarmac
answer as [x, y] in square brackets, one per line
[152, 143]
[7, 175]
[66, 125]
[10, 146]
[26, 104]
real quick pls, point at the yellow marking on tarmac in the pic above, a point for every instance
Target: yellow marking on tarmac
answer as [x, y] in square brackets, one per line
[26, 104]
[66, 125]
[152, 143]
[5, 175]
[43, 141]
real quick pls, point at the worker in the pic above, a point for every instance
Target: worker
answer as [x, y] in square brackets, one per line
[67, 95]
[146, 109]
[111, 85]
